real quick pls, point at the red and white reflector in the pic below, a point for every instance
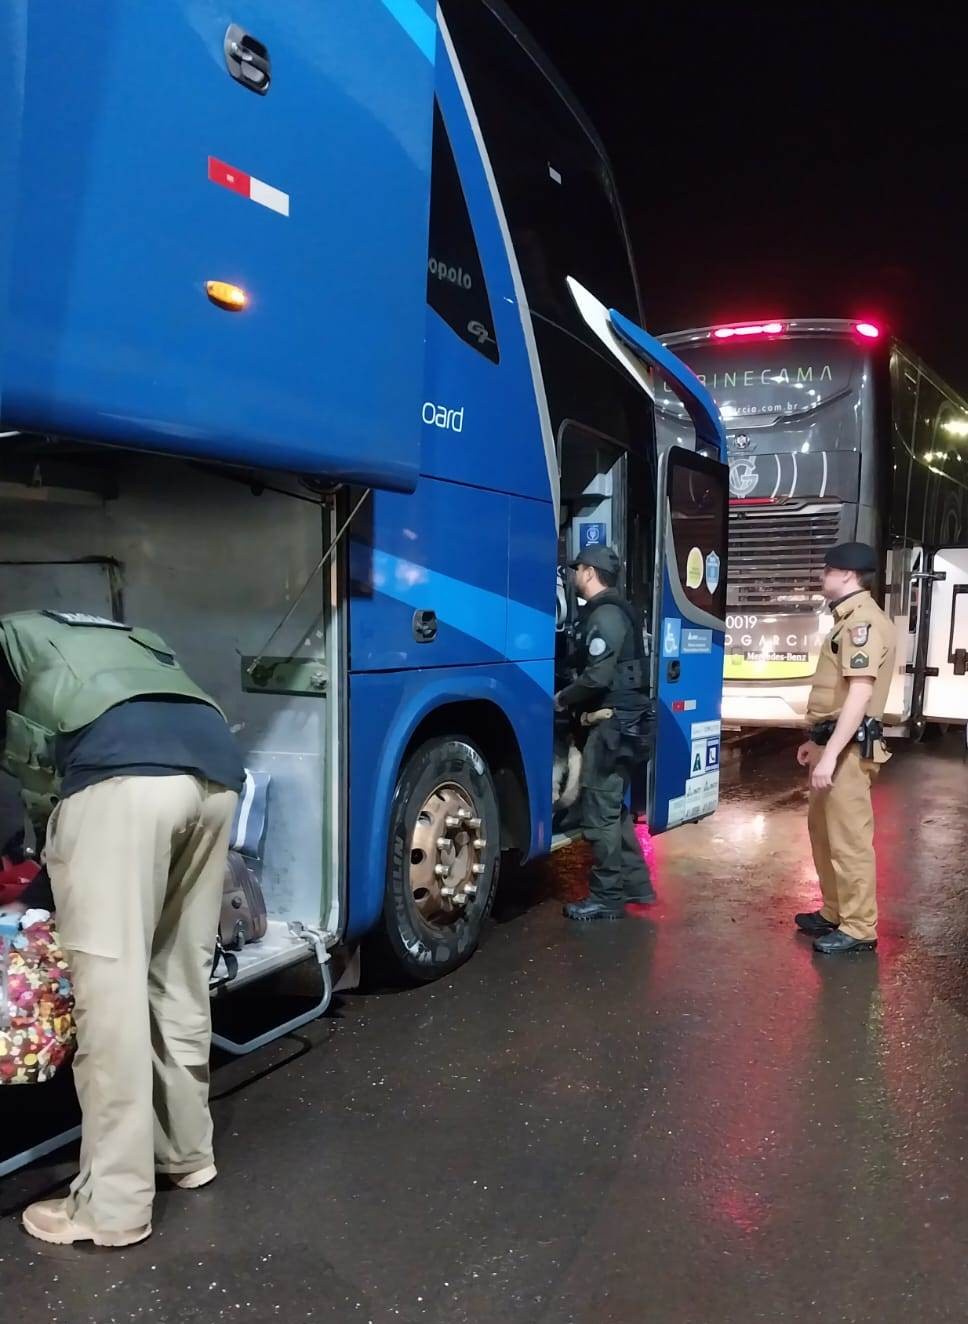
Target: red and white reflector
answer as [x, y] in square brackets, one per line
[867, 329]
[256, 190]
[750, 329]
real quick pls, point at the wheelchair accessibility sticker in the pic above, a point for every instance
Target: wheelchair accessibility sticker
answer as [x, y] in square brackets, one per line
[671, 635]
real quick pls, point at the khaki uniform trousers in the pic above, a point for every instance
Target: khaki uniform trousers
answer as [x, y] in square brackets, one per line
[841, 823]
[136, 866]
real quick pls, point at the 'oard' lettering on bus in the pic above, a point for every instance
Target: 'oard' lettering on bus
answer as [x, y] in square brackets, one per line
[439, 416]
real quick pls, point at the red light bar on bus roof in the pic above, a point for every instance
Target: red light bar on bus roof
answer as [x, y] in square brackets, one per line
[867, 329]
[753, 329]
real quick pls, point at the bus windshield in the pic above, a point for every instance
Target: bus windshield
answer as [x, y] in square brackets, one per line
[798, 412]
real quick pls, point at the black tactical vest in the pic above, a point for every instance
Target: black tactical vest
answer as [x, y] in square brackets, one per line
[630, 686]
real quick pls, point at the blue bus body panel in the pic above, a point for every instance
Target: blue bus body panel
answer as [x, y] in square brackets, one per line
[482, 562]
[688, 712]
[443, 549]
[476, 544]
[113, 226]
[533, 559]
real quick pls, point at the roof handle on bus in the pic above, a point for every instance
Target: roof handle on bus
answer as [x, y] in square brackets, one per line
[247, 60]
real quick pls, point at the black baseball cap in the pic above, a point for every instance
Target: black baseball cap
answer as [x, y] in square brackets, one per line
[858, 556]
[599, 558]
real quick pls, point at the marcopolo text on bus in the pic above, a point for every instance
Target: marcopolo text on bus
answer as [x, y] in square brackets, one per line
[454, 275]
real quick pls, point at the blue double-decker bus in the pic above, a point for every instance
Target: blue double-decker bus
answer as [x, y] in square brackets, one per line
[320, 352]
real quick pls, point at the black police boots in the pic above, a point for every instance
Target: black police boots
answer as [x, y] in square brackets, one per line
[836, 943]
[814, 923]
[591, 908]
[643, 898]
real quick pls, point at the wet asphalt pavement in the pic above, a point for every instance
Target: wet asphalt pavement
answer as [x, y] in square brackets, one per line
[684, 1118]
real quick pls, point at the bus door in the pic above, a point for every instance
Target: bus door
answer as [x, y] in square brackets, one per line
[946, 653]
[689, 625]
[689, 616]
[693, 524]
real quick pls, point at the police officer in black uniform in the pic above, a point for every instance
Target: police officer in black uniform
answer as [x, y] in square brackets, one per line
[610, 698]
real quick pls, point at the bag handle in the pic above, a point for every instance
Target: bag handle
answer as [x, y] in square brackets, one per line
[231, 966]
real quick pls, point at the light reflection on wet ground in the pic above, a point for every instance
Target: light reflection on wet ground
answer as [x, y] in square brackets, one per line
[685, 1118]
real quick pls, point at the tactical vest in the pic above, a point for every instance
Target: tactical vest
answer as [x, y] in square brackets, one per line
[71, 669]
[630, 686]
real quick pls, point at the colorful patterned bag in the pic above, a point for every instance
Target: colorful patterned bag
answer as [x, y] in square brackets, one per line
[36, 1004]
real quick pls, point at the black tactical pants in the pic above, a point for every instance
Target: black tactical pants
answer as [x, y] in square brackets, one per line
[619, 872]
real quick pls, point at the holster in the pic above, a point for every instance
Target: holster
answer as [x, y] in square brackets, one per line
[628, 735]
[821, 732]
[868, 734]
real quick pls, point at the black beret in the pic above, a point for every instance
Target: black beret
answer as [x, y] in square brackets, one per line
[856, 556]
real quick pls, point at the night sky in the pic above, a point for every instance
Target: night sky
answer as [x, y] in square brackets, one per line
[783, 160]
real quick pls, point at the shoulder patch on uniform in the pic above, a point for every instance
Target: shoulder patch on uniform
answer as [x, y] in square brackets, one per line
[859, 660]
[859, 634]
[597, 646]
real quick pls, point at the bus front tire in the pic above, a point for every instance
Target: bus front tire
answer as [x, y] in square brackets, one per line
[443, 860]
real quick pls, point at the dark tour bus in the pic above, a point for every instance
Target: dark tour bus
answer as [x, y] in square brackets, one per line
[836, 432]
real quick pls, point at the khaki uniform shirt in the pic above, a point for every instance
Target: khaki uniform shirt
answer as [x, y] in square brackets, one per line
[861, 643]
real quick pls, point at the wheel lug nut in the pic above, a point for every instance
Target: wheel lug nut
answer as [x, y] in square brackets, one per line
[463, 814]
[446, 891]
[474, 823]
[441, 870]
[477, 869]
[470, 890]
[480, 844]
[451, 822]
[443, 843]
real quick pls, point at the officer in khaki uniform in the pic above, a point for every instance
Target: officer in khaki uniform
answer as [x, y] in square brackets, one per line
[845, 748]
[100, 717]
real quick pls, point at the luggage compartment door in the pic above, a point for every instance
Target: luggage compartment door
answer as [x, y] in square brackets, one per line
[283, 150]
[946, 682]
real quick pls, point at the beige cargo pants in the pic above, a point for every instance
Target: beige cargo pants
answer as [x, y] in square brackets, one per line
[841, 823]
[136, 865]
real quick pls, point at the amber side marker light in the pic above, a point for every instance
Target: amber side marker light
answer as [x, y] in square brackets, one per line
[230, 297]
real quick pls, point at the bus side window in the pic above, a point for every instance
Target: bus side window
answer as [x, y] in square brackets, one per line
[554, 180]
[455, 277]
[904, 402]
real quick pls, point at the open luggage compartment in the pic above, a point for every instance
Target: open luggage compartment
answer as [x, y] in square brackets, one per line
[213, 562]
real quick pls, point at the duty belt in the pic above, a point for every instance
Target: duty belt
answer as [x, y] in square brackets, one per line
[869, 731]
